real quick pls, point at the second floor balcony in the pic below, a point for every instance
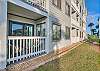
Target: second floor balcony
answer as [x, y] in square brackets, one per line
[75, 4]
[40, 4]
[36, 4]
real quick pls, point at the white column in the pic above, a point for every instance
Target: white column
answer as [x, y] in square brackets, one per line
[3, 33]
[47, 41]
[48, 38]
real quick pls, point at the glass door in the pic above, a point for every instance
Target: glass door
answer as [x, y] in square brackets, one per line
[28, 30]
[40, 29]
[20, 29]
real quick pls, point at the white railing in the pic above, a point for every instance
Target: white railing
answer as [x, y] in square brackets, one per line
[75, 22]
[20, 48]
[41, 4]
[73, 2]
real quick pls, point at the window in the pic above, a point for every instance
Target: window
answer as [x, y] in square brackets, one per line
[80, 21]
[57, 3]
[80, 9]
[17, 29]
[82, 24]
[28, 30]
[67, 33]
[77, 17]
[56, 35]
[67, 9]
[77, 32]
[40, 29]
[73, 32]
[80, 34]
[20, 29]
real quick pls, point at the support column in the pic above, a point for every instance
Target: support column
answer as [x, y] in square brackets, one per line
[3, 33]
[47, 36]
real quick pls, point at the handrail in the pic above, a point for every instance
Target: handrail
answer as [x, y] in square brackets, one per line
[24, 37]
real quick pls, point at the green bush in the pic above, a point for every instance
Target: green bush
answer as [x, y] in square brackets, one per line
[93, 38]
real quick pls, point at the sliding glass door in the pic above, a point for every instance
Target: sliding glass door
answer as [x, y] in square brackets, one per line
[40, 29]
[20, 29]
[28, 30]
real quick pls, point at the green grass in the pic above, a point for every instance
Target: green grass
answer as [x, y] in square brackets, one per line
[83, 58]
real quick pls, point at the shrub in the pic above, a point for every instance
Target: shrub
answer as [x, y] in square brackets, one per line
[93, 38]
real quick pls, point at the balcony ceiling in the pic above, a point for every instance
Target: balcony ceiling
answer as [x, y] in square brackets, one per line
[17, 10]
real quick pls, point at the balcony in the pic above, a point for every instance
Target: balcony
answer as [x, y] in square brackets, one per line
[75, 18]
[40, 4]
[38, 7]
[20, 48]
[75, 5]
[75, 22]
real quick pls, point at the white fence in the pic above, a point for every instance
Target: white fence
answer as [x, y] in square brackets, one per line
[20, 48]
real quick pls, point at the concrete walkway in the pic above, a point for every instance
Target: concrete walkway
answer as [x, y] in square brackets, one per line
[33, 63]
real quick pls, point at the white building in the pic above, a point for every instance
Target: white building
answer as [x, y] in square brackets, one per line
[78, 20]
[31, 28]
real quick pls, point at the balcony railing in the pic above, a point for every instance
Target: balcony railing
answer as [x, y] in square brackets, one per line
[76, 5]
[40, 4]
[20, 48]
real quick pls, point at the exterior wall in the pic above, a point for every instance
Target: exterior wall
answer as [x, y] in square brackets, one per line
[59, 16]
[75, 23]
[81, 24]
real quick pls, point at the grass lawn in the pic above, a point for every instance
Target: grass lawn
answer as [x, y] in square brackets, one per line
[83, 58]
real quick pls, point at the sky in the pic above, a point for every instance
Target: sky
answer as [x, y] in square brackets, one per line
[93, 8]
